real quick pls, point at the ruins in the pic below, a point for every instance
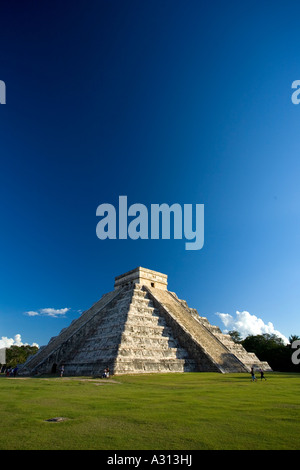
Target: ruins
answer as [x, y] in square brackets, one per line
[140, 327]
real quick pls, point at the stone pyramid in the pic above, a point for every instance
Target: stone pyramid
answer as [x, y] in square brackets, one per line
[140, 327]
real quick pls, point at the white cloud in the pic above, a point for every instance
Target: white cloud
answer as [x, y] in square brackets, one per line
[52, 312]
[31, 313]
[247, 324]
[48, 312]
[15, 341]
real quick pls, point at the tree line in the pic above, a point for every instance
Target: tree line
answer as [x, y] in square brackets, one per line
[16, 355]
[270, 348]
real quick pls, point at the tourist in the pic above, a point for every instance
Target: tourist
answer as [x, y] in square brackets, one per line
[262, 376]
[254, 379]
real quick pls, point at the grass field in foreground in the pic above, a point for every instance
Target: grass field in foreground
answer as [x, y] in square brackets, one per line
[156, 412]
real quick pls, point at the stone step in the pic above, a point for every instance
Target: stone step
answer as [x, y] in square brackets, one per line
[144, 330]
[140, 366]
[173, 353]
[139, 324]
[141, 301]
[139, 319]
[149, 340]
[139, 293]
[157, 353]
[143, 310]
[135, 365]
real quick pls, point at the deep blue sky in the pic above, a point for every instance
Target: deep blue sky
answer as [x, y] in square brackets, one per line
[162, 101]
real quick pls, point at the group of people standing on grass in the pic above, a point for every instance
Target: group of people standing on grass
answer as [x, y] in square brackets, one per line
[262, 375]
[105, 374]
[11, 371]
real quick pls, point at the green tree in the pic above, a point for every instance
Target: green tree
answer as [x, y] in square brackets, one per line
[293, 338]
[271, 348]
[18, 354]
[236, 336]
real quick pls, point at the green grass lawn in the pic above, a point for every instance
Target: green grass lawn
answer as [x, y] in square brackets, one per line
[156, 412]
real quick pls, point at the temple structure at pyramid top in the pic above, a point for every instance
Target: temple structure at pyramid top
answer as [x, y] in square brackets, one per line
[141, 327]
[142, 276]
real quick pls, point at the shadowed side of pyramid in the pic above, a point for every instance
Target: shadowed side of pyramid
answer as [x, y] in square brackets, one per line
[140, 327]
[63, 348]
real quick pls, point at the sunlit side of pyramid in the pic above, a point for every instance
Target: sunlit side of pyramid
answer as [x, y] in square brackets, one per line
[141, 327]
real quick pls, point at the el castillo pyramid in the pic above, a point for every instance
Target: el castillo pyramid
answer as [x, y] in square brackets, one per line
[140, 327]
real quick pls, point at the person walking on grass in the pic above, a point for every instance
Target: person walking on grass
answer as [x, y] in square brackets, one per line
[253, 378]
[262, 375]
